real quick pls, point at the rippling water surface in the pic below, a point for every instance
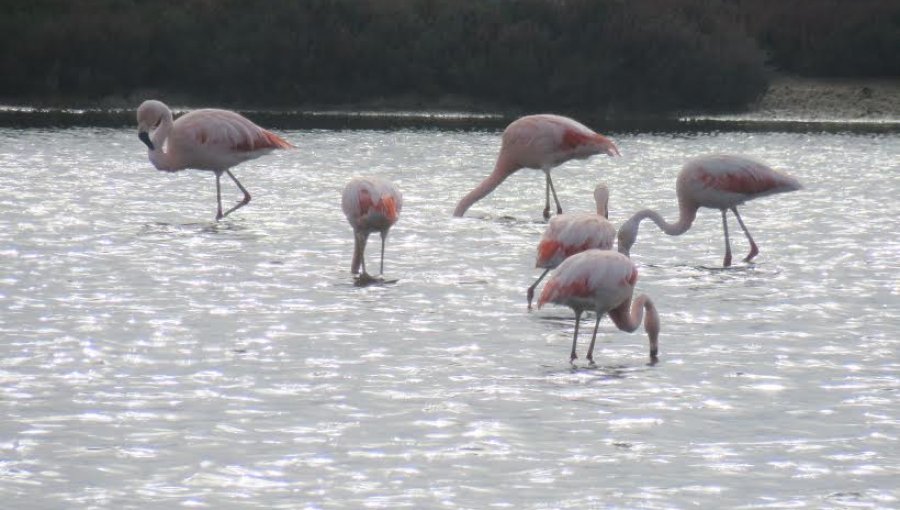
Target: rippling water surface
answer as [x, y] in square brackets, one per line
[153, 358]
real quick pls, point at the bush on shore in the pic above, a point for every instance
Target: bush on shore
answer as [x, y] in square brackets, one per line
[601, 57]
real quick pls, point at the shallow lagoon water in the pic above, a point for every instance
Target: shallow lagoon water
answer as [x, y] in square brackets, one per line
[154, 358]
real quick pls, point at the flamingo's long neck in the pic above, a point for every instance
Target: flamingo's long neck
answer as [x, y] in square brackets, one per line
[158, 156]
[685, 219]
[629, 230]
[504, 167]
[629, 320]
[602, 206]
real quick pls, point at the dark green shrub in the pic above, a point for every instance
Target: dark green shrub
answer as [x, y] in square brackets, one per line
[592, 56]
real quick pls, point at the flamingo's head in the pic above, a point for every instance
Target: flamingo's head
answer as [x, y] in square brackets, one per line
[150, 115]
[627, 235]
[601, 196]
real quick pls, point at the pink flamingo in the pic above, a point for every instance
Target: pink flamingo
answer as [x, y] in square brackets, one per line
[571, 233]
[371, 204]
[208, 139]
[602, 281]
[717, 181]
[540, 142]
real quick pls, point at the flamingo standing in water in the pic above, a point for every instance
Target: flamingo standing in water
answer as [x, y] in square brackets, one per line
[716, 181]
[571, 233]
[540, 142]
[371, 204]
[602, 281]
[208, 139]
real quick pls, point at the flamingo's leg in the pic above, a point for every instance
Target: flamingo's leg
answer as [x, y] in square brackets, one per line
[383, 238]
[574, 356]
[553, 190]
[727, 261]
[240, 204]
[590, 354]
[547, 196]
[359, 251]
[534, 285]
[219, 214]
[754, 251]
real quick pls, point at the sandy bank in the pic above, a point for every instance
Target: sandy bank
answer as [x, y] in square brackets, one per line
[830, 99]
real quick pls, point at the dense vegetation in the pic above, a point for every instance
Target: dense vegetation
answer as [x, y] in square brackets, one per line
[604, 56]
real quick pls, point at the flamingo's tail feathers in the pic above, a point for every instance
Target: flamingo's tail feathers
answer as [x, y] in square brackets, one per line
[547, 249]
[608, 146]
[791, 183]
[548, 294]
[262, 140]
[388, 207]
[276, 142]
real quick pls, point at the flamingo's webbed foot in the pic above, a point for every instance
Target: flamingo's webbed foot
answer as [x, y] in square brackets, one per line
[365, 279]
[754, 251]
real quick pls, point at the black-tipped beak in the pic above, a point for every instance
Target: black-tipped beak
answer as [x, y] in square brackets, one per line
[145, 137]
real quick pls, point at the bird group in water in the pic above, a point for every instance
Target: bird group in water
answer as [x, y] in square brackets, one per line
[578, 247]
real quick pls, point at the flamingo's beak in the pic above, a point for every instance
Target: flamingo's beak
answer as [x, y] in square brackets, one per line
[145, 137]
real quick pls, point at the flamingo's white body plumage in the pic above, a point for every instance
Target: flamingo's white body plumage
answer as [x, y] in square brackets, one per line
[207, 139]
[371, 204]
[540, 142]
[602, 281]
[571, 233]
[719, 181]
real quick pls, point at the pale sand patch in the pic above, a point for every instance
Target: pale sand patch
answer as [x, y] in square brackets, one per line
[792, 97]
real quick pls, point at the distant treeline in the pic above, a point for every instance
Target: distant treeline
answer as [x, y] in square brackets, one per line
[607, 57]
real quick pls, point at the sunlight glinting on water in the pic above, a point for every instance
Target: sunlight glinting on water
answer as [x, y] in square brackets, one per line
[153, 356]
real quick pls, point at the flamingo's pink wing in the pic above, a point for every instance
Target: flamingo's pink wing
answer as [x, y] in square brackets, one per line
[226, 130]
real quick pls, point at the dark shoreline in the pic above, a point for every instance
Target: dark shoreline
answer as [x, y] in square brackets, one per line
[332, 119]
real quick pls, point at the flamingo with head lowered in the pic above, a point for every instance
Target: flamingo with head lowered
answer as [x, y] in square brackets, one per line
[540, 142]
[208, 139]
[371, 204]
[602, 281]
[718, 181]
[571, 233]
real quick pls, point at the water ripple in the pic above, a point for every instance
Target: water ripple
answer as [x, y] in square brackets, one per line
[154, 357]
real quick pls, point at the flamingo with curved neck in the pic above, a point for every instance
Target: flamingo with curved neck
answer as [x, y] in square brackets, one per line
[208, 139]
[371, 204]
[603, 281]
[571, 233]
[718, 181]
[540, 142]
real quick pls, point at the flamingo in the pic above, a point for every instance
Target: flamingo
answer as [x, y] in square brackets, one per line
[718, 181]
[207, 139]
[602, 281]
[540, 142]
[371, 204]
[571, 233]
